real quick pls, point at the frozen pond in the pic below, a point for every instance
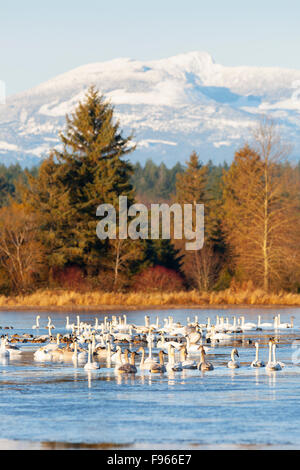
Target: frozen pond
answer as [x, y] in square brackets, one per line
[46, 403]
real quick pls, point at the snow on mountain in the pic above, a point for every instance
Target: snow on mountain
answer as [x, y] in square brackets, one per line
[172, 106]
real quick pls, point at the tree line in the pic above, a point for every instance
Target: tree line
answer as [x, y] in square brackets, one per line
[48, 214]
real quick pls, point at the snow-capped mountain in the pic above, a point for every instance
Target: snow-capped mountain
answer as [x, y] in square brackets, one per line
[172, 106]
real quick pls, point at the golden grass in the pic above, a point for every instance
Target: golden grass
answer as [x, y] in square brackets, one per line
[61, 299]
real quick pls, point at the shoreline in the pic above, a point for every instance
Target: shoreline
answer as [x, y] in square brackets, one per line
[113, 308]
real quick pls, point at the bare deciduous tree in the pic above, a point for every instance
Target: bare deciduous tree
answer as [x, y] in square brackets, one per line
[21, 254]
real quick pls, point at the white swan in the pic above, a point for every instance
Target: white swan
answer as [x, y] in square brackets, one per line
[233, 364]
[69, 326]
[257, 362]
[37, 323]
[272, 364]
[42, 355]
[91, 365]
[13, 351]
[280, 325]
[78, 355]
[173, 366]
[186, 363]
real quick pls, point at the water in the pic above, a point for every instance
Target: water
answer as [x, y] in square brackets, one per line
[46, 403]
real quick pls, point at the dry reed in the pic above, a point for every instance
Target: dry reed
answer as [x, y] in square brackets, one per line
[62, 299]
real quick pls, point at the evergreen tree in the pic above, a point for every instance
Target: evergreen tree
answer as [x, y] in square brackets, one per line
[89, 171]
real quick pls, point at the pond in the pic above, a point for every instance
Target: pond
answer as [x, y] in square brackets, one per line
[61, 405]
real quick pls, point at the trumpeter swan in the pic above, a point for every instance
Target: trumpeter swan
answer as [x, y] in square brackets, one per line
[233, 364]
[91, 365]
[37, 324]
[128, 367]
[186, 363]
[158, 368]
[172, 365]
[203, 364]
[272, 364]
[257, 362]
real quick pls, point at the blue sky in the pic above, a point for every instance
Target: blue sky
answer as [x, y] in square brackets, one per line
[39, 40]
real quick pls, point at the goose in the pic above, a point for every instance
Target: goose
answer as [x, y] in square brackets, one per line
[128, 367]
[158, 368]
[272, 364]
[203, 364]
[91, 365]
[37, 324]
[233, 364]
[257, 362]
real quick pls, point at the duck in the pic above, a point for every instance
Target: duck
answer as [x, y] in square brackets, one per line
[257, 362]
[203, 364]
[233, 364]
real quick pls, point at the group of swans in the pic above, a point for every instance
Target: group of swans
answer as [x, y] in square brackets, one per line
[101, 340]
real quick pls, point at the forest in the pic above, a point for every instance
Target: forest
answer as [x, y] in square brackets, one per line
[48, 218]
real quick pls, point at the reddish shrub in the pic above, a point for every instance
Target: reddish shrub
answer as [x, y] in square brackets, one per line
[158, 278]
[70, 277]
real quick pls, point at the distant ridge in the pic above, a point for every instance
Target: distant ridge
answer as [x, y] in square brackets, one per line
[173, 106]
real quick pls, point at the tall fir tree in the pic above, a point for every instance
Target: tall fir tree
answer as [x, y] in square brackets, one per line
[89, 170]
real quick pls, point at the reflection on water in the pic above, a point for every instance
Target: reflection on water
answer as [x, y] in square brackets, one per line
[64, 406]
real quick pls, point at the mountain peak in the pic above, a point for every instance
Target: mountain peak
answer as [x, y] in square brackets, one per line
[173, 106]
